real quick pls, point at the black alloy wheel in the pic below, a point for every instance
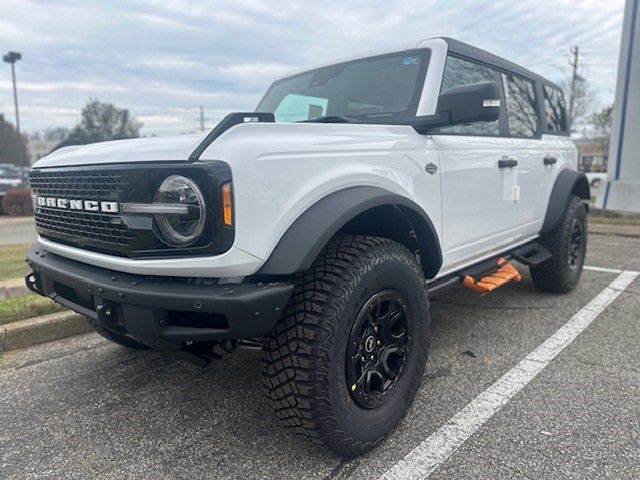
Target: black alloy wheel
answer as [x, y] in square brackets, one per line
[377, 348]
[576, 245]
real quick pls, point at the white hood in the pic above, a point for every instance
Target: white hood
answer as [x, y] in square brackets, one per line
[151, 149]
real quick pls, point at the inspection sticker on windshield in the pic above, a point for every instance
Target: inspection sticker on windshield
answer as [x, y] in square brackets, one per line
[411, 61]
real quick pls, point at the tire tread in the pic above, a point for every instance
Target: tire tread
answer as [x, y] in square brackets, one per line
[296, 352]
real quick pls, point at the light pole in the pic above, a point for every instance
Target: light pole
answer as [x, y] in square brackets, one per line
[12, 58]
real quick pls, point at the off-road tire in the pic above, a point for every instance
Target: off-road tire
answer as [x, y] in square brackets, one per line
[555, 275]
[121, 340]
[304, 356]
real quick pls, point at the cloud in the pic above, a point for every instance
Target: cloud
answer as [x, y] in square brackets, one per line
[163, 59]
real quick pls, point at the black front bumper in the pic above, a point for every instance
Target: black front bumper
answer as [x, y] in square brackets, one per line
[161, 312]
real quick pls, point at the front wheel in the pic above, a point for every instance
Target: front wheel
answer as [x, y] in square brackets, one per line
[567, 244]
[344, 364]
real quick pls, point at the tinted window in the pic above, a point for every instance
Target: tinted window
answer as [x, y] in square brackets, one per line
[555, 110]
[458, 72]
[387, 84]
[522, 112]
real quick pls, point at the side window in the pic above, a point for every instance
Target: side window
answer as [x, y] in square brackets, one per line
[555, 110]
[522, 111]
[458, 72]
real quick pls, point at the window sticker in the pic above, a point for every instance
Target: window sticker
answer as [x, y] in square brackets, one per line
[411, 61]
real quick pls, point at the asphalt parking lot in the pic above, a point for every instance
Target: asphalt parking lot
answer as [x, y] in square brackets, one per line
[84, 408]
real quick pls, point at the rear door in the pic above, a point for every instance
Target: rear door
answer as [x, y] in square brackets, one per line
[479, 180]
[528, 147]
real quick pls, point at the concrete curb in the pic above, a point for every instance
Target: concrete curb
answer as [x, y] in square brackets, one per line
[5, 220]
[614, 229]
[46, 328]
[13, 288]
[612, 213]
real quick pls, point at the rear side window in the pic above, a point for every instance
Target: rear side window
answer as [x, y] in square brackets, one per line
[458, 72]
[522, 111]
[555, 110]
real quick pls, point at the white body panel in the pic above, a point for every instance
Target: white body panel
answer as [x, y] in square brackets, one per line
[478, 218]
[281, 169]
[275, 185]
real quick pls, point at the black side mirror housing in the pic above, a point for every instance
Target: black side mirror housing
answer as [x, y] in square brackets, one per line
[476, 102]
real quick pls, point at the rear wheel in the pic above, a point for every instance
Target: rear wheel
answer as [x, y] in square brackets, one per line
[344, 364]
[568, 246]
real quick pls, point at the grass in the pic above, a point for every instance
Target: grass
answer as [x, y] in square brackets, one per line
[21, 308]
[12, 264]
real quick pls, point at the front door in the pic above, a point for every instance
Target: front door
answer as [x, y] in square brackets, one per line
[480, 195]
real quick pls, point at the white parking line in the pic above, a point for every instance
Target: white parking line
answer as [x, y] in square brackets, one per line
[423, 460]
[602, 269]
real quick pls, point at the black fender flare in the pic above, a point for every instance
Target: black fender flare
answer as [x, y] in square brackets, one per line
[312, 230]
[568, 182]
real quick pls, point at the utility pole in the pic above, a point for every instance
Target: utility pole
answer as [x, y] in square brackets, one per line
[202, 119]
[12, 58]
[574, 80]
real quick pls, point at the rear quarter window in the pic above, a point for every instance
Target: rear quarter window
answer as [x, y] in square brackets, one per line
[522, 106]
[555, 110]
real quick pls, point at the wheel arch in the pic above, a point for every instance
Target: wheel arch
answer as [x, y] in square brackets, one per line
[568, 182]
[356, 210]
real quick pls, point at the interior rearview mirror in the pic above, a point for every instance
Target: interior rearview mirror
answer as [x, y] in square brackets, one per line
[476, 102]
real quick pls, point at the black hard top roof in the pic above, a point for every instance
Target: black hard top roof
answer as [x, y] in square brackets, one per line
[466, 50]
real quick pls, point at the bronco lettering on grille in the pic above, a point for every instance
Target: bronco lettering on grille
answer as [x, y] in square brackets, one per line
[77, 204]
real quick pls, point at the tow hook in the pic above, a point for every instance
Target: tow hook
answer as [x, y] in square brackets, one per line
[108, 317]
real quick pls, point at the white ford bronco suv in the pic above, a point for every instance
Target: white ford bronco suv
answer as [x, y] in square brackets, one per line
[318, 227]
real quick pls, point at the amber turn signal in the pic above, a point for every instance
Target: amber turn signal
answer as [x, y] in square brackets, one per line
[227, 204]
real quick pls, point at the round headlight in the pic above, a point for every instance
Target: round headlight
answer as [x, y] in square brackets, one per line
[183, 217]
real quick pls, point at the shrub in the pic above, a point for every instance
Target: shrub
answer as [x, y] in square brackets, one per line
[18, 202]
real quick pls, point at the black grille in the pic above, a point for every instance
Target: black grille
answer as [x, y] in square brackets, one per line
[94, 230]
[94, 184]
[84, 226]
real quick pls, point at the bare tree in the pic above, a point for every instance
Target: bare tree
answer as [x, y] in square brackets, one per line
[600, 123]
[584, 100]
[581, 98]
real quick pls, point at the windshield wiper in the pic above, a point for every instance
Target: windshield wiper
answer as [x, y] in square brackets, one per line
[331, 119]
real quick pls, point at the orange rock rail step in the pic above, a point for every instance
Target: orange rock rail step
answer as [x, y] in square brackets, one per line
[506, 273]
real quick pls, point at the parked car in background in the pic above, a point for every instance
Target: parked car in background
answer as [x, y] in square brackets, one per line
[596, 179]
[10, 178]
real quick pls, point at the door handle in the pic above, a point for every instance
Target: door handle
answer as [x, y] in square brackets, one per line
[507, 163]
[549, 160]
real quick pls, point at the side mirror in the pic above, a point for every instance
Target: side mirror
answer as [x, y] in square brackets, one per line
[476, 102]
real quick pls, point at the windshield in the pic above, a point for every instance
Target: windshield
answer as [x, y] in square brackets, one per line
[385, 85]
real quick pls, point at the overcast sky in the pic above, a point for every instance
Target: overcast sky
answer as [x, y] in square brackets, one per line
[162, 59]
